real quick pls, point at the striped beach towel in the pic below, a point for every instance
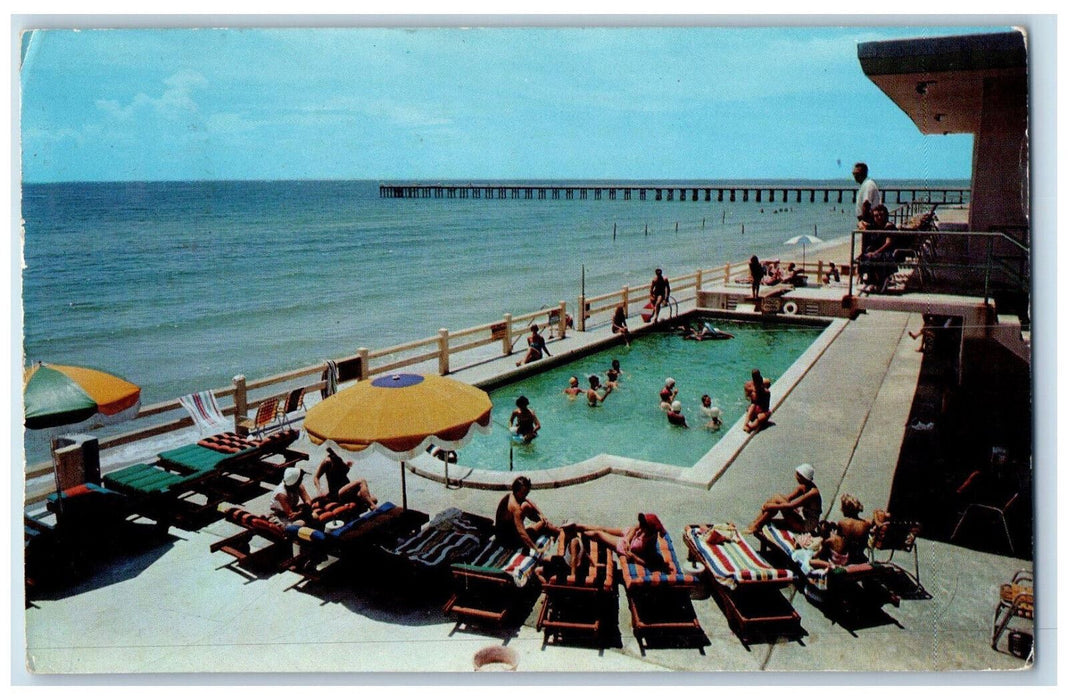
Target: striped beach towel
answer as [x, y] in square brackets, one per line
[734, 561]
[517, 563]
[204, 410]
[433, 547]
[817, 578]
[635, 574]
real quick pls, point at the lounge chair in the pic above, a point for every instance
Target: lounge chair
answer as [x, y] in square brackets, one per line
[659, 600]
[204, 410]
[230, 453]
[452, 536]
[491, 585]
[292, 409]
[583, 604]
[746, 585]
[355, 537]
[166, 493]
[845, 587]
[894, 536]
[260, 546]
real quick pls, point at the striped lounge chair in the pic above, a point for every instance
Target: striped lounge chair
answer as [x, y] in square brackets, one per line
[660, 600]
[746, 585]
[843, 587]
[583, 604]
[355, 538]
[491, 585]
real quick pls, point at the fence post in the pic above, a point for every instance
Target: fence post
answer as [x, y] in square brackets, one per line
[726, 273]
[563, 319]
[443, 351]
[582, 313]
[626, 301]
[507, 342]
[364, 369]
[698, 281]
[240, 400]
[819, 271]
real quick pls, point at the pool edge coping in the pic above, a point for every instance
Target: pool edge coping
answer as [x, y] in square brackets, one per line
[703, 474]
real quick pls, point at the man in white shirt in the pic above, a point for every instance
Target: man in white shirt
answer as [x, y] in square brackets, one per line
[867, 196]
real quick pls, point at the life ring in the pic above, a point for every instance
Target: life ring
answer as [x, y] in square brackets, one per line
[790, 308]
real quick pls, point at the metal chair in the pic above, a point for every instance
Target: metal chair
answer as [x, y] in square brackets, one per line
[1015, 599]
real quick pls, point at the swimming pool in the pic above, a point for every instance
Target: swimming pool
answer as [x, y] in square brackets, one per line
[630, 423]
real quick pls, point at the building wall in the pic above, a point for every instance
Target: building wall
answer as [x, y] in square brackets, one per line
[1000, 188]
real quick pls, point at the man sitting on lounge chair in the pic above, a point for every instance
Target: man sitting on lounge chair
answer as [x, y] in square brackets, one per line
[509, 523]
[339, 488]
[290, 504]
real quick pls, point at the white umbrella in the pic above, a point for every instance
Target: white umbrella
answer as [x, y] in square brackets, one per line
[804, 239]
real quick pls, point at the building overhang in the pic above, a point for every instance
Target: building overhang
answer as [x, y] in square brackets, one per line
[938, 82]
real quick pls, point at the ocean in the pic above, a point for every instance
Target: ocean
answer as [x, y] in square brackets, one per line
[179, 286]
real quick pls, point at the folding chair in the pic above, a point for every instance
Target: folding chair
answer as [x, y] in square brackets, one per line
[204, 410]
[1015, 599]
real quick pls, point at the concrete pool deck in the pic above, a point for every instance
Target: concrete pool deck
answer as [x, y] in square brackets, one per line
[175, 608]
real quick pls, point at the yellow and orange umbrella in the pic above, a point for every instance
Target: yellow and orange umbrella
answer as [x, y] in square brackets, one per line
[56, 395]
[400, 415]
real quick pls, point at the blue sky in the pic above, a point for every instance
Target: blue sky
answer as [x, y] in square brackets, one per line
[451, 103]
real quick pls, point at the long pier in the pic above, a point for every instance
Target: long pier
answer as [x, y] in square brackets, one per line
[668, 193]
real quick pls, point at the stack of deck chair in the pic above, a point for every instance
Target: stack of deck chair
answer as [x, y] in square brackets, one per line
[186, 484]
[844, 587]
[494, 583]
[747, 586]
[659, 600]
[583, 604]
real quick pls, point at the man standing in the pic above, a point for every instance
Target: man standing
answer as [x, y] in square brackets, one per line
[867, 196]
[659, 291]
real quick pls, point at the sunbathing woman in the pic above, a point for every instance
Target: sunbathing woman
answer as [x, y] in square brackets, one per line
[536, 347]
[855, 530]
[636, 542]
[339, 488]
[759, 412]
[799, 511]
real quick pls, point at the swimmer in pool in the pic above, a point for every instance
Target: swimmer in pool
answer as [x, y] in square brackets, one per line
[593, 396]
[675, 416]
[711, 413]
[573, 389]
[708, 332]
[613, 374]
[525, 421]
[668, 394]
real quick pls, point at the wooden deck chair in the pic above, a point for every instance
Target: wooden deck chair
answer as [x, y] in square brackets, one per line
[584, 604]
[491, 585]
[1016, 599]
[659, 600]
[840, 587]
[747, 586]
[261, 546]
[267, 419]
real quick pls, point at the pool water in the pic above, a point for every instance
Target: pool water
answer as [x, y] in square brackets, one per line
[630, 422]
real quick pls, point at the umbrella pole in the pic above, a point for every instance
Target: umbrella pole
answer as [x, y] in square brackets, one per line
[404, 487]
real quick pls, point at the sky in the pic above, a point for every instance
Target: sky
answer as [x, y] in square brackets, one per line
[453, 103]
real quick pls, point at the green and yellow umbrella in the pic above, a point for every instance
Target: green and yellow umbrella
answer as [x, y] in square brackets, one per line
[57, 395]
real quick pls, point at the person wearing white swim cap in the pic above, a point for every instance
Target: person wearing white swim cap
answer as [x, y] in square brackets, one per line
[712, 413]
[668, 394]
[290, 502]
[799, 511]
[674, 415]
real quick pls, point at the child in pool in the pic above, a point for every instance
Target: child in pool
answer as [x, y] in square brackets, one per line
[711, 413]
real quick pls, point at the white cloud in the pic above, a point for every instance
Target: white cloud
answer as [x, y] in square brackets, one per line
[174, 102]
